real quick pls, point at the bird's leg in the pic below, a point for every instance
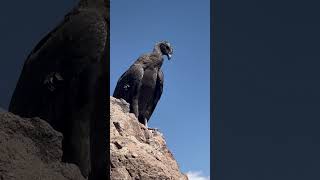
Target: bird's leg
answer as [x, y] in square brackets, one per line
[146, 122]
[135, 108]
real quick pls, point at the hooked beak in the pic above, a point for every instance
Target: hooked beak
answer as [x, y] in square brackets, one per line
[169, 56]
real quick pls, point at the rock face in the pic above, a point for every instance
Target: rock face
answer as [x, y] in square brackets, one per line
[136, 152]
[30, 149]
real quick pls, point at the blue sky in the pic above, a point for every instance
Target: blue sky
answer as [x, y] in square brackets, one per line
[183, 112]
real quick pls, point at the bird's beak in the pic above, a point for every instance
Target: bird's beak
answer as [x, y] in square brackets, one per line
[169, 56]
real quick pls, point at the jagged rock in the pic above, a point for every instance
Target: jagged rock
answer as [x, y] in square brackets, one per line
[30, 149]
[136, 152]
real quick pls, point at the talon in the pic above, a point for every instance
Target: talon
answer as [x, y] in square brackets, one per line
[153, 129]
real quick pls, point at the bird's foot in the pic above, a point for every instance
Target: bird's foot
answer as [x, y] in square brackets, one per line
[53, 80]
[153, 129]
[146, 125]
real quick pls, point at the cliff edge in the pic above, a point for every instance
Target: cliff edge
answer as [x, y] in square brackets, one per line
[31, 149]
[136, 152]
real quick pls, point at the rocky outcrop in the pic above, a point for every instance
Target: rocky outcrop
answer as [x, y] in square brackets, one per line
[136, 152]
[30, 149]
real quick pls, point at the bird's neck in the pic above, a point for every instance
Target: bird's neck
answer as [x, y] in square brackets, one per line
[153, 60]
[159, 63]
[157, 50]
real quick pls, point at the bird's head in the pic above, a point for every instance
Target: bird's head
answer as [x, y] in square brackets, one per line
[165, 48]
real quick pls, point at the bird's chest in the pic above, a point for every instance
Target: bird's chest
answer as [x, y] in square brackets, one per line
[149, 79]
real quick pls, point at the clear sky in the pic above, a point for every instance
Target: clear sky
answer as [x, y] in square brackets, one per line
[182, 113]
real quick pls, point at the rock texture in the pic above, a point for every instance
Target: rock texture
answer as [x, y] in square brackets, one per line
[136, 152]
[30, 149]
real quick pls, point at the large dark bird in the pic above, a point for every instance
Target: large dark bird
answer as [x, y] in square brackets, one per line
[64, 81]
[141, 85]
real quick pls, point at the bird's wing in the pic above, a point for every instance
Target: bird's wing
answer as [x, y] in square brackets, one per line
[129, 83]
[157, 93]
[29, 82]
[66, 50]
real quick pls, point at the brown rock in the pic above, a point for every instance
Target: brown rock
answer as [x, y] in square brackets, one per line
[136, 152]
[30, 149]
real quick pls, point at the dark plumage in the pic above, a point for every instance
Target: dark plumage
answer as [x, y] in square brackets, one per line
[63, 82]
[141, 85]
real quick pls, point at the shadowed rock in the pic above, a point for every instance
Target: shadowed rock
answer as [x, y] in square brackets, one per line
[31, 149]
